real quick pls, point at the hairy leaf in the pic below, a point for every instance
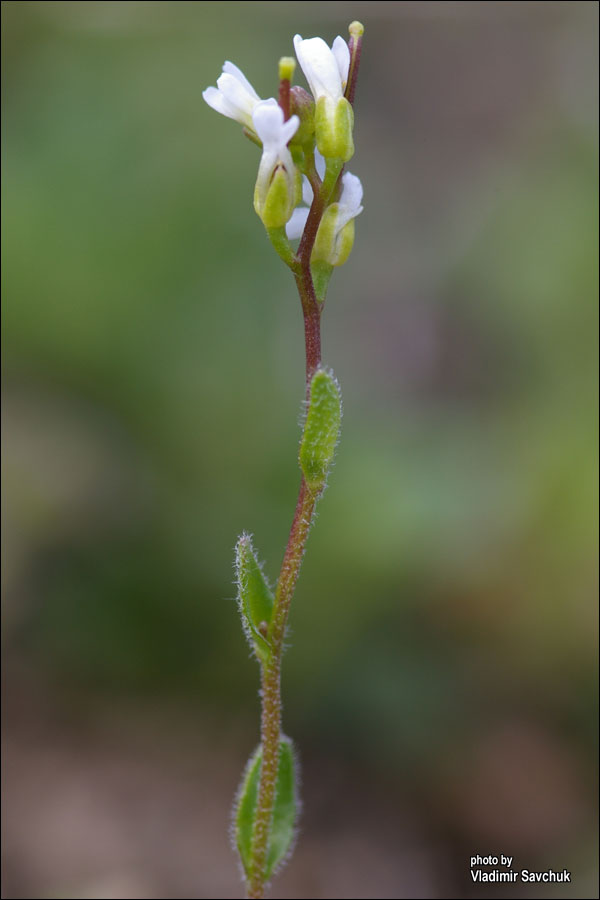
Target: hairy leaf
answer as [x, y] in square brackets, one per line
[285, 811]
[321, 429]
[255, 598]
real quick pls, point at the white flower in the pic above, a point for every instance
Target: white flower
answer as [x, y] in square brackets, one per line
[234, 96]
[350, 202]
[275, 191]
[348, 207]
[295, 226]
[326, 69]
[335, 236]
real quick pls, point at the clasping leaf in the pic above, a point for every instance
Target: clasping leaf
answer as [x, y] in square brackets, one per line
[285, 810]
[321, 429]
[255, 597]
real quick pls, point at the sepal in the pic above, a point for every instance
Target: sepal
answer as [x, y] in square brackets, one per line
[276, 204]
[334, 121]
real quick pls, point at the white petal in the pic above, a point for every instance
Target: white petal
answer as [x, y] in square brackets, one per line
[216, 100]
[234, 96]
[268, 121]
[231, 69]
[290, 128]
[268, 161]
[344, 216]
[307, 191]
[350, 201]
[320, 164]
[285, 158]
[341, 51]
[319, 66]
[237, 99]
[295, 226]
[270, 127]
[352, 192]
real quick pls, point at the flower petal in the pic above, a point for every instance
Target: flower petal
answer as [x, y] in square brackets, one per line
[320, 67]
[268, 122]
[295, 226]
[307, 191]
[320, 164]
[237, 97]
[290, 128]
[341, 51]
[352, 192]
[349, 206]
[216, 100]
[234, 96]
[231, 69]
[268, 119]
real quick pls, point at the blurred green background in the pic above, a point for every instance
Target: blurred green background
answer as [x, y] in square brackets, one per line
[440, 683]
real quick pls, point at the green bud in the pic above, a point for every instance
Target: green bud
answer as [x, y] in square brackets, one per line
[332, 244]
[275, 204]
[325, 240]
[303, 106]
[333, 127]
[321, 429]
[285, 810]
[344, 244]
[255, 598]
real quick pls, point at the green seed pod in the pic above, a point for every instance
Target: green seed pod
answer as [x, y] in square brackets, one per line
[255, 598]
[321, 429]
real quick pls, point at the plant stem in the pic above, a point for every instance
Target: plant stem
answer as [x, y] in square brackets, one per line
[271, 689]
[323, 193]
[292, 559]
[271, 671]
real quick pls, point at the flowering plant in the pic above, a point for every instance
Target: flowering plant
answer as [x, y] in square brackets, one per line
[305, 143]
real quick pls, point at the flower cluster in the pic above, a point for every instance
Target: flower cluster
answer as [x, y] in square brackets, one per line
[305, 143]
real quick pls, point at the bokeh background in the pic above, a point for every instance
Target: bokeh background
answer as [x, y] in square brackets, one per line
[440, 683]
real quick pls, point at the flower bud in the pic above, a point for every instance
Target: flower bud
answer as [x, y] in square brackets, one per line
[303, 105]
[275, 204]
[276, 191]
[334, 241]
[335, 237]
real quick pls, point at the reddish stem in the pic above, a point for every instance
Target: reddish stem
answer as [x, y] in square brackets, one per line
[303, 515]
[355, 47]
[284, 97]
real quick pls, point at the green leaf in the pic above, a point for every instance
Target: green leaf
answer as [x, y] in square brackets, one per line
[321, 429]
[285, 811]
[245, 807]
[255, 598]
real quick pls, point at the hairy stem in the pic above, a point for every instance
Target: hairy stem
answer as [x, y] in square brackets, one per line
[271, 671]
[292, 559]
[271, 689]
